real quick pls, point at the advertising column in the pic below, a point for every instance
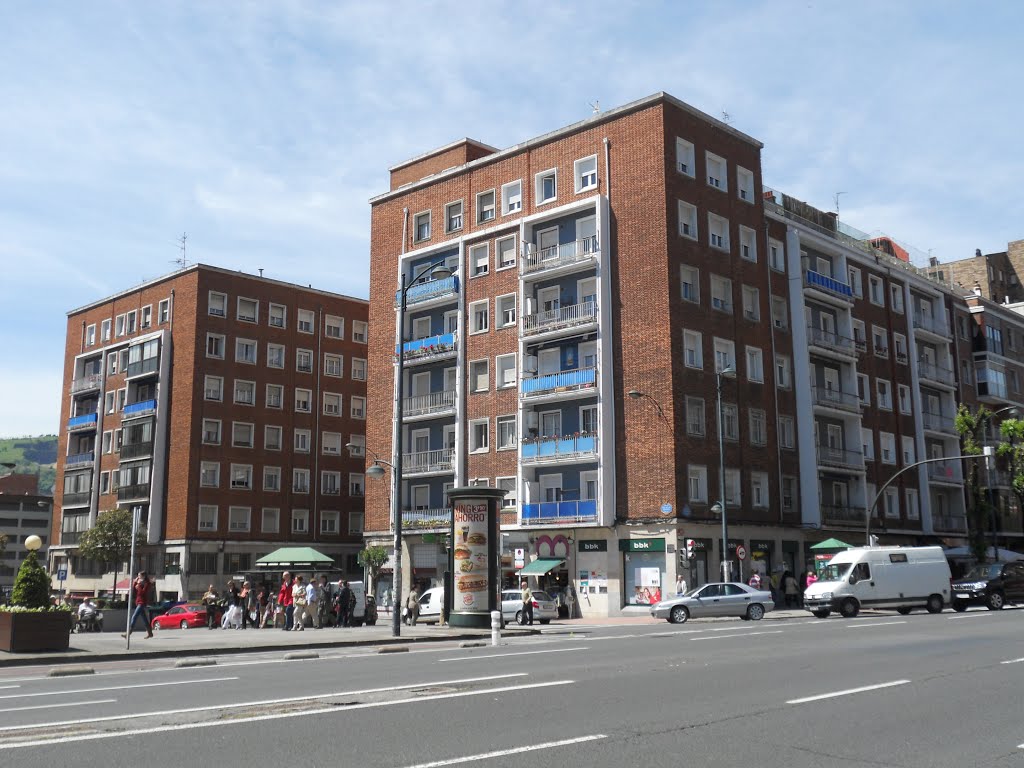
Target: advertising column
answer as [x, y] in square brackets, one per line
[475, 556]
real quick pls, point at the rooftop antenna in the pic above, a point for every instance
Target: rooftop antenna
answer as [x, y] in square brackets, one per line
[726, 117]
[261, 271]
[595, 106]
[182, 261]
[836, 198]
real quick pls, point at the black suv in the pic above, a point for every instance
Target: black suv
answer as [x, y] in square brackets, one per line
[992, 585]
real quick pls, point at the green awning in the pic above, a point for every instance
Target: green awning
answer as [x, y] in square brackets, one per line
[293, 557]
[832, 544]
[540, 566]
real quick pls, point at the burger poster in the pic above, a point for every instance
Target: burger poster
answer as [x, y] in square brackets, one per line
[471, 555]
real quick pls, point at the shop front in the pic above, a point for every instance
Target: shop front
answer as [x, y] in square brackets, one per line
[761, 558]
[644, 572]
[698, 573]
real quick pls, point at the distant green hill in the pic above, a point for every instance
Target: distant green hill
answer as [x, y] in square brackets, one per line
[37, 455]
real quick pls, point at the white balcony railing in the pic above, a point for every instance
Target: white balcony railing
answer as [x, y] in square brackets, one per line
[564, 317]
[423, 462]
[432, 402]
[537, 259]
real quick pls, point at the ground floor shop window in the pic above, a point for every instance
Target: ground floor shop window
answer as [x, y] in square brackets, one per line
[644, 577]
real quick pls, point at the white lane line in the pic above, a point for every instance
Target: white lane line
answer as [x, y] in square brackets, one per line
[847, 692]
[470, 657]
[972, 615]
[741, 634]
[117, 688]
[282, 715]
[506, 752]
[263, 702]
[880, 624]
[1012, 661]
[67, 704]
[5, 687]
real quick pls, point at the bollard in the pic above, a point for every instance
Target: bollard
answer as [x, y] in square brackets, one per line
[495, 627]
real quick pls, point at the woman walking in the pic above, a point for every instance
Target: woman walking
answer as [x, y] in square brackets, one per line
[299, 601]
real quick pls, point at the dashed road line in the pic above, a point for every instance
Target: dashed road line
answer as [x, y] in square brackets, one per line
[848, 692]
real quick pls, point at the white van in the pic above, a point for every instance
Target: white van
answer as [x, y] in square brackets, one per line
[902, 578]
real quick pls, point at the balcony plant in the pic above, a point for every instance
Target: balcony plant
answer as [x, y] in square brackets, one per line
[30, 622]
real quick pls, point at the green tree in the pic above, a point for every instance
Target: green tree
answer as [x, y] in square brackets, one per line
[972, 427]
[372, 559]
[1011, 452]
[3, 542]
[110, 540]
[32, 586]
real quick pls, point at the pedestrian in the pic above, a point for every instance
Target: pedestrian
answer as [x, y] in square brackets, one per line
[326, 604]
[210, 601]
[284, 600]
[299, 605]
[791, 589]
[755, 580]
[264, 606]
[231, 609]
[680, 589]
[412, 604]
[527, 595]
[342, 600]
[811, 578]
[313, 603]
[140, 592]
[250, 606]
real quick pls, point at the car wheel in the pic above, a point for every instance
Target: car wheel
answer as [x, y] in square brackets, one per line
[934, 604]
[995, 601]
[959, 606]
[849, 608]
[545, 621]
[824, 613]
[679, 615]
[156, 626]
[755, 612]
[519, 618]
[903, 611]
[184, 624]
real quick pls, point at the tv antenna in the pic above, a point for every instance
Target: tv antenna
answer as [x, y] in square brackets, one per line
[726, 117]
[595, 106]
[182, 260]
[836, 198]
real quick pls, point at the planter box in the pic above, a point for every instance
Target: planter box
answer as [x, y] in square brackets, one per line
[29, 632]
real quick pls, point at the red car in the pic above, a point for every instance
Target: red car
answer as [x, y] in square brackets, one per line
[183, 617]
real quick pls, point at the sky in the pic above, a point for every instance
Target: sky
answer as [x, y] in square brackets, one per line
[262, 129]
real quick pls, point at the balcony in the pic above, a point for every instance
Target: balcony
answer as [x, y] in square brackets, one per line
[431, 404]
[950, 523]
[828, 285]
[139, 409]
[78, 460]
[830, 341]
[331, 490]
[936, 422]
[935, 373]
[843, 515]
[428, 462]
[944, 472]
[840, 458]
[82, 423]
[570, 316]
[135, 450]
[564, 381]
[427, 519]
[77, 499]
[142, 367]
[136, 492]
[88, 383]
[431, 348]
[562, 255]
[429, 289]
[560, 512]
[833, 398]
[559, 449]
[931, 325]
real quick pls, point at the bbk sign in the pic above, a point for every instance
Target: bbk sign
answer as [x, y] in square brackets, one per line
[642, 545]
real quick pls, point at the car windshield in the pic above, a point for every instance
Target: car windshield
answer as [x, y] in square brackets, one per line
[836, 572]
[986, 571]
[541, 596]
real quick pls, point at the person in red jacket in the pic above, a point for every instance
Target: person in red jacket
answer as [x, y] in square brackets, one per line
[284, 599]
[140, 594]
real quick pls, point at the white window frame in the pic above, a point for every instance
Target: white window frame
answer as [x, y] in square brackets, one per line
[744, 184]
[277, 315]
[856, 282]
[475, 433]
[244, 344]
[478, 254]
[776, 255]
[221, 339]
[358, 372]
[213, 469]
[305, 321]
[748, 244]
[303, 395]
[359, 331]
[751, 303]
[163, 311]
[500, 251]
[755, 364]
[884, 399]
[685, 158]
[505, 373]
[330, 522]
[725, 354]
[512, 197]
[357, 407]
[718, 232]
[506, 424]
[268, 514]
[721, 294]
[332, 404]
[787, 432]
[539, 179]
[240, 387]
[585, 178]
[693, 349]
[334, 365]
[783, 372]
[300, 521]
[697, 494]
[688, 226]
[207, 517]
[208, 424]
[480, 210]
[474, 376]
[235, 523]
[213, 389]
[255, 317]
[268, 443]
[759, 490]
[302, 440]
[450, 224]
[274, 472]
[687, 271]
[252, 434]
[334, 322]
[475, 315]
[300, 480]
[421, 227]
[505, 311]
[717, 178]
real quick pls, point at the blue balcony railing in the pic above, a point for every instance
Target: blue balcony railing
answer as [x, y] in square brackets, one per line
[434, 346]
[827, 284]
[78, 459]
[142, 408]
[547, 512]
[430, 289]
[581, 378]
[564, 448]
[84, 421]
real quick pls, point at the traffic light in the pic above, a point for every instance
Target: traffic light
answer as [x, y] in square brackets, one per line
[684, 561]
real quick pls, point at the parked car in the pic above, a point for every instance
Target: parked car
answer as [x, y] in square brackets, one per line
[430, 604]
[992, 585]
[544, 607]
[717, 599]
[187, 616]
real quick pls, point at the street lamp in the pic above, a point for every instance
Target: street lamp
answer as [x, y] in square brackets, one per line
[729, 372]
[636, 394]
[990, 455]
[33, 543]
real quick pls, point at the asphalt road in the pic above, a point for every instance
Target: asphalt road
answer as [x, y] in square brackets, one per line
[918, 690]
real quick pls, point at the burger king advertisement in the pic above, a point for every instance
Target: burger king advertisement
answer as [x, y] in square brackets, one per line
[471, 554]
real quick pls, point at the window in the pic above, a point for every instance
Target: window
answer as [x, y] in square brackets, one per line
[271, 478]
[300, 520]
[211, 432]
[272, 437]
[110, 405]
[690, 279]
[776, 256]
[479, 430]
[163, 312]
[787, 432]
[748, 244]
[207, 519]
[883, 393]
[880, 341]
[887, 444]
[331, 444]
[304, 360]
[357, 407]
[104, 483]
[478, 316]
[245, 351]
[721, 293]
[717, 176]
[909, 453]
[334, 327]
[505, 371]
[453, 217]
[547, 186]
[725, 354]
[421, 226]
[506, 252]
[782, 372]
[875, 294]
[751, 303]
[505, 310]
[697, 481]
[507, 484]
[511, 198]
[330, 483]
[277, 315]
[758, 427]
[863, 389]
[275, 395]
[302, 438]
[356, 484]
[271, 521]
[867, 444]
[359, 331]
[238, 518]
[209, 474]
[585, 173]
[789, 494]
[718, 232]
[733, 490]
[147, 316]
[241, 476]
[333, 365]
[479, 260]
[306, 321]
[693, 354]
[730, 421]
[687, 220]
[329, 521]
[217, 304]
[479, 381]
[105, 330]
[961, 327]
[892, 503]
[90, 335]
[899, 341]
[485, 207]
[245, 392]
[303, 400]
[275, 355]
[300, 480]
[358, 369]
[248, 310]
[119, 326]
[856, 284]
[215, 345]
[213, 388]
[755, 364]
[241, 434]
[759, 489]
[896, 297]
[358, 445]
[506, 432]
[684, 157]
[695, 416]
[860, 335]
[780, 313]
[332, 404]
[913, 509]
[903, 396]
[745, 184]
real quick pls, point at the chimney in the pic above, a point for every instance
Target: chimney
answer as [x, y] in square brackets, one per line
[977, 251]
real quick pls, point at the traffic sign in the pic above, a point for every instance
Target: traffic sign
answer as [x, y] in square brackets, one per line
[741, 552]
[520, 557]
[666, 508]
[690, 546]
[62, 574]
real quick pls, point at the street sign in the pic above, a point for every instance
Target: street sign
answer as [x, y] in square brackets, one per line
[666, 508]
[520, 557]
[62, 574]
[741, 552]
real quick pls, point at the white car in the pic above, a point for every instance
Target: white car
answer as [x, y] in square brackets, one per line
[544, 608]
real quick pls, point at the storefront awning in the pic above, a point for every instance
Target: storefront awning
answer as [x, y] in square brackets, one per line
[540, 566]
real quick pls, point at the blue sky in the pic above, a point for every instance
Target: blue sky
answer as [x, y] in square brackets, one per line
[262, 129]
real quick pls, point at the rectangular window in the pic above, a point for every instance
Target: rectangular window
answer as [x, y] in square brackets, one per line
[453, 217]
[733, 490]
[725, 355]
[758, 427]
[511, 198]
[119, 326]
[304, 400]
[899, 342]
[275, 355]
[209, 474]
[695, 416]
[717, 175]
[358, 445]
[913, 509]
[90, 335]
[334, 365]
[300, 480]
[357, 407]
[776, 256]
[789, 496]
[718, 232]
[356, 484]
[748, 244]
[745, 184]
[215, 346]
[479, 260]
[505, 310]
[780, 313]
[271, 478]
[759, 489]
[787, 432]
[245, 351]
[585, 173]
[300, 520]
[238, 518]
[277, 315]
[105, 330]
[213, 388]
[207, 519]
[163, 312]
[887, 444]
[909, 453]
[359, 331]
[783, 379]
[332, 404]
[272, 438]
[875, 294]
[867, 444]
[330, 444]
[506, 432]
[485, 207]
[358, 369]
[697, 483]
[693, 353]
[245, 392]
[217, 304]
[505, 371]
[421, 226]
[241, 476]
[330, 483]
[355, 526]
[730, 421]
[306, 321]
[896, 298]
[903, 394]
[690, 280]
[883, 393]
[547, 186]
[248, 310]
[275, 395]
[751, 303]
[856, 284]
[687, 220]
[211, 432]
[329, 522]
[241, 434]
[506, 252]
[334, 327]
[304, 360]
[755, 364]
[479, 432]
[147, 316]
[271, 521]
[684, 157]
[478, 316]
[104, 483]
[863, 389]
[479, 381]
[721, 293]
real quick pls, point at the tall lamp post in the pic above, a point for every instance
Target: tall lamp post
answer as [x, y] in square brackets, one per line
[728, 372]
[990, 455]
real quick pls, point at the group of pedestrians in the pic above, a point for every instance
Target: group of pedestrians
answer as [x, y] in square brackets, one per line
[298, 600]
[787, 589]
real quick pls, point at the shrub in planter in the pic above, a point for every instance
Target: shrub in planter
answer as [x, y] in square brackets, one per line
[32, 587]
[30, 623]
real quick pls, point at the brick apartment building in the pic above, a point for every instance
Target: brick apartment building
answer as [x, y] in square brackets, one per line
[24, 512]
[218, 404]
[604, 273]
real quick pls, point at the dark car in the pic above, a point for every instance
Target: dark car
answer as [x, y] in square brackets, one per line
[992, 585]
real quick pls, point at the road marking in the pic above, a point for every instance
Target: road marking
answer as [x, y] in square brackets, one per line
[506, 752]
[281, 715]
[263, 702]
[5, 687]
[117, 688]
[847, 692]
[67, 704]
[880, 624]
[1012, 661]
[972, 615]
[516, 653]
[740, 634]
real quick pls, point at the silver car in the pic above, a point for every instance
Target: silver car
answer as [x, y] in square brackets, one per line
[719, 599]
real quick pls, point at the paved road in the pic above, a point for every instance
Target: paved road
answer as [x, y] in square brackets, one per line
[919, 690]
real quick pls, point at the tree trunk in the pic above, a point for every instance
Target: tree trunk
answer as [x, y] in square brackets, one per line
[114, 592]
